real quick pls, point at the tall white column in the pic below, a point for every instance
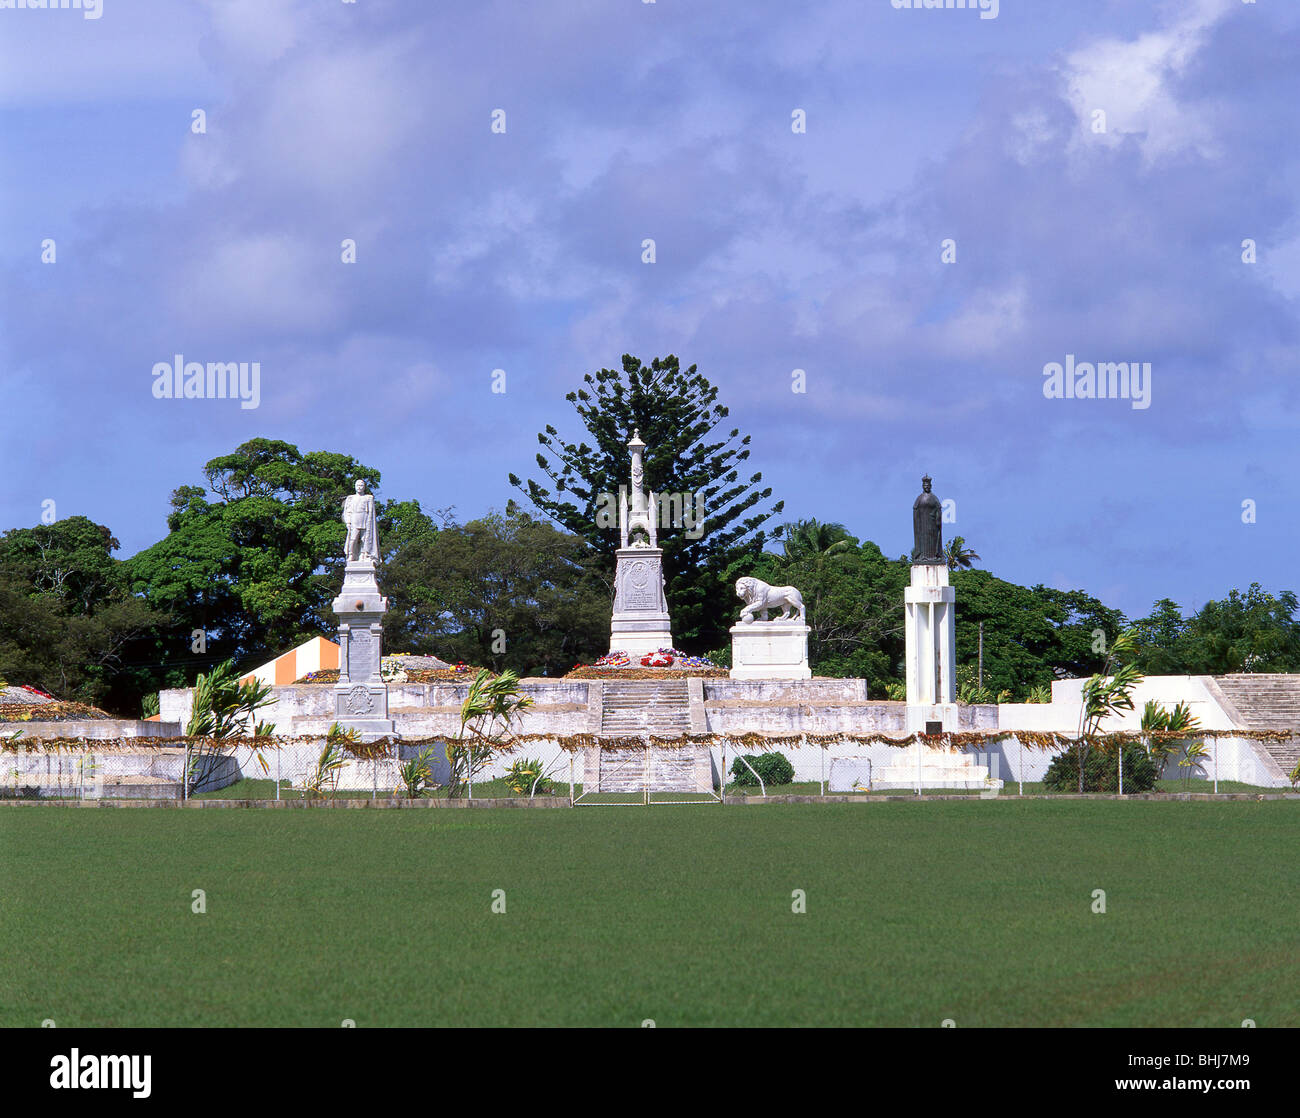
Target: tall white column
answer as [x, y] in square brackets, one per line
[930, 642]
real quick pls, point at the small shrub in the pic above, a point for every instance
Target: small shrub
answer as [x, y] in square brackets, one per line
[1101, 771]
[521, 774]
[417, 774]
[324, 778]
[774, 768]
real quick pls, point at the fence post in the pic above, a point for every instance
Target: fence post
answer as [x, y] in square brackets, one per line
[918, 764]
[1120, 748]
[645, 769]
[278, 750]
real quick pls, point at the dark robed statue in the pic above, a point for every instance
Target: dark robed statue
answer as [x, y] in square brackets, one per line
[927, 527]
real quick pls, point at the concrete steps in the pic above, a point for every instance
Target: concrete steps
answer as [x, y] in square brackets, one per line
[1267, 702]
[645, 706]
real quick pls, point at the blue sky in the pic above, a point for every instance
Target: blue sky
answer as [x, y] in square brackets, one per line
[775, 251]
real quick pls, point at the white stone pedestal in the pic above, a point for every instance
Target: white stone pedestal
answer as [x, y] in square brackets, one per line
[933, 768]
[361, 696]
[930, 642]
[770, 650]
[640, 623]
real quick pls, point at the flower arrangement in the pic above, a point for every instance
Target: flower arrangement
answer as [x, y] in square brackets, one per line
[392, 673]
[661, 659]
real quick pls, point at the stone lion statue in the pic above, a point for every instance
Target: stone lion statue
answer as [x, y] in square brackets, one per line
[759, 598]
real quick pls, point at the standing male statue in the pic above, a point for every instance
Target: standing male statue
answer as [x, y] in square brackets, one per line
[359, 516]
[927, 527]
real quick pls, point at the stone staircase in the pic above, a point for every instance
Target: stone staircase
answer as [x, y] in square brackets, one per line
[634, 707]
[645, 706]
[1267, 702]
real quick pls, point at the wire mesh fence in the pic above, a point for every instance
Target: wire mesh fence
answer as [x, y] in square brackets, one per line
[595, 772]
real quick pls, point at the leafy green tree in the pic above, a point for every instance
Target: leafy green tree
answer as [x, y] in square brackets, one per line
[67, 617]
[690, 455]
[1251, 632]
[1032, 635]
[70, 562]
[1020, 633]
[853, 600]
[254, 558]
[503, 591]
[1163, 640]
[1083, 627]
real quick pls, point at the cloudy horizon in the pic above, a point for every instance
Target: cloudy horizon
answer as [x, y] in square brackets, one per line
[921, 210]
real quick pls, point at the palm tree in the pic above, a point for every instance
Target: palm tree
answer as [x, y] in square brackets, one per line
[1194, 752]
[1107, 694]
[485, 726]
[811, 539]
[958, 554]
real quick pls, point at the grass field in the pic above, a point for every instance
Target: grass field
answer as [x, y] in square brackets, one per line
[979, 912]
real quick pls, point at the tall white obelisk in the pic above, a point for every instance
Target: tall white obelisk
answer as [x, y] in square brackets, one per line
[640, 623]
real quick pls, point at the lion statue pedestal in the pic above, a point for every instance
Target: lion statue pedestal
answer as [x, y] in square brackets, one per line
[763, 649]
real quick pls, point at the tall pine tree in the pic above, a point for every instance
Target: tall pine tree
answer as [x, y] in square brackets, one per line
[690, 459]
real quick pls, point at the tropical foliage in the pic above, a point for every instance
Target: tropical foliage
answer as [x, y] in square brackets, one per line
[491, 705]
[691, 453]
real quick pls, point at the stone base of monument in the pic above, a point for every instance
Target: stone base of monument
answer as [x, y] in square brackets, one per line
[640, 623]
[638, 641]
[770, 650]
[363, 707]
[932, 718]
[361, 696]
[939, 768]
[360, 593]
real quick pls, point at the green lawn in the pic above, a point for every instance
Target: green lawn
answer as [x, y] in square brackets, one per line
[976, 911]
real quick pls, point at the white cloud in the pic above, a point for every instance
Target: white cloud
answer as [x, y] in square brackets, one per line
[1130, 81]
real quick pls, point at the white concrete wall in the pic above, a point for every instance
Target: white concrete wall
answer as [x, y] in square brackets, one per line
[1167, 690]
